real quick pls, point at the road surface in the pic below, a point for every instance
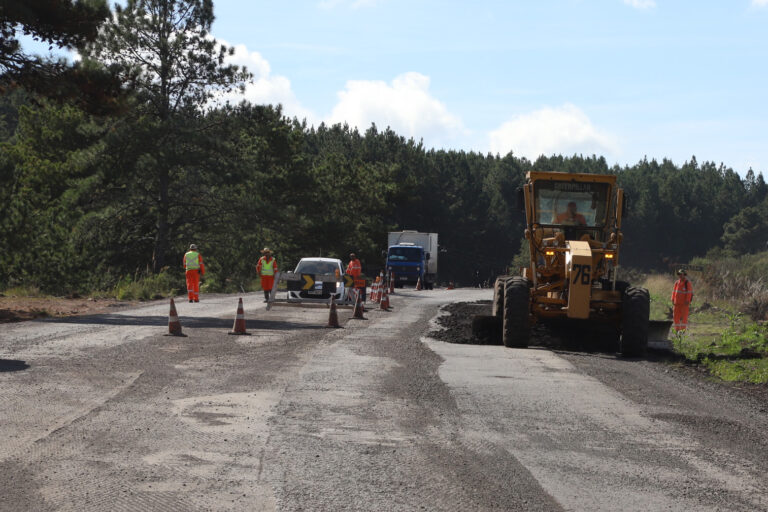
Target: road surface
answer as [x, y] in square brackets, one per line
[106, 413]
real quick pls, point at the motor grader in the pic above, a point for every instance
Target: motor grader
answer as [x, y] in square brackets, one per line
[573, 229]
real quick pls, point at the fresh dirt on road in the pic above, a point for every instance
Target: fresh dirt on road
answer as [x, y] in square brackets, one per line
[19, 309]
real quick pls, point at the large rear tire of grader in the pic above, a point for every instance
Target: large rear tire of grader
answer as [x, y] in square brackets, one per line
[497, 308]
[517, 324]
[634, 329]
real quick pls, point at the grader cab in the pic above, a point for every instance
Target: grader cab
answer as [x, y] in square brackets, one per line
[574, 234]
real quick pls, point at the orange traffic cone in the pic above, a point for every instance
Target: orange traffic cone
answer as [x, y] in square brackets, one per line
[418, 285]
[358, 308]
[375, 291]
[239, 327]
[384, 304]
[333, 316]
[174, 326]
[450, 286]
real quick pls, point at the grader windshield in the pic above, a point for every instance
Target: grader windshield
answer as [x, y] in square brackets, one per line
[568, 203]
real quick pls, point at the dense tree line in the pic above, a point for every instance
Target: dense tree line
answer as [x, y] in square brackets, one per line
[89, 196]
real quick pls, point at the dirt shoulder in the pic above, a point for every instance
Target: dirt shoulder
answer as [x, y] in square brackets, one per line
[19, 309]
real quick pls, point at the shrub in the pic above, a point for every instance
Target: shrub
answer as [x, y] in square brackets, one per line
[152, 286]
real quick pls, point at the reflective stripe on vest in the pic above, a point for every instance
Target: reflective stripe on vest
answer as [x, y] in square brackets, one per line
[268, 268]
[192, 260]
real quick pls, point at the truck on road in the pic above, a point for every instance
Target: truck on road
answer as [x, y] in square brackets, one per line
[412, 256]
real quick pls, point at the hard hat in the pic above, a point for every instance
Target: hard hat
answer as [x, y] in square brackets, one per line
[682, 272]
[266, 249]
[192, 247]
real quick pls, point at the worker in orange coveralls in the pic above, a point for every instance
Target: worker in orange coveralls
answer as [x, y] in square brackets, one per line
[193, 264]
[355, 269]
[266, 268]
[682, 296]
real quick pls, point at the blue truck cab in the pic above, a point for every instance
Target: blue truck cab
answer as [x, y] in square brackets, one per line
[413, 259]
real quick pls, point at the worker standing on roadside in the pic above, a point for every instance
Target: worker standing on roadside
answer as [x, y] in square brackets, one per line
[266, 268]
[355, 269]
[682, 296]
[193, 265]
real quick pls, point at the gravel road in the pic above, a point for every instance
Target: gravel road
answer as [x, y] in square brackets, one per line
[103, 412]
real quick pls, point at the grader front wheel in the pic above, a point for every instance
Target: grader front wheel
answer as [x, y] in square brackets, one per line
[498, 297]
[517, 327]
[634, 329]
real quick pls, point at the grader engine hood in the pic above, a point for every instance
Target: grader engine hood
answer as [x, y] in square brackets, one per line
[578, 268]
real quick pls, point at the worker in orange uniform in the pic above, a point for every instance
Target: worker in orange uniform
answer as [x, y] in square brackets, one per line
[355, 269]
[266, 268]
[682, 296]
[194, 267]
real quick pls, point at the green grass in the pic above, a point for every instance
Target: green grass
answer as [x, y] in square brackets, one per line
[22, 291]
[730, 346]
[726, 342]
[149, 287]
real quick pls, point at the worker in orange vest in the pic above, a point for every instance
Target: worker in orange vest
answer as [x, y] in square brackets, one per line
[682, 296]
[355, 269]
[266, 268]
[194, 267]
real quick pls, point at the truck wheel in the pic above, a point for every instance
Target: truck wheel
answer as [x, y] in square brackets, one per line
[497, 308]
[634, 322]
[517, 325]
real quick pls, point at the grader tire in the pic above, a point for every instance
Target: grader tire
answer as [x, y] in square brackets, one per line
[498, 297]
[634, 329]
[517, 326]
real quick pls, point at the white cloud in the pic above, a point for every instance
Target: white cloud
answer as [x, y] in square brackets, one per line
[647, 4]
[265, 88]
[405, 105]
[565, 130]
[760, 3]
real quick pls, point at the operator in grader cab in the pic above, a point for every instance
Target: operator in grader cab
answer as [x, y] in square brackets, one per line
[571, 217]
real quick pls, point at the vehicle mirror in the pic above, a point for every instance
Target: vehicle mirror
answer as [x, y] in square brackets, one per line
[520, 199]
[427, 256]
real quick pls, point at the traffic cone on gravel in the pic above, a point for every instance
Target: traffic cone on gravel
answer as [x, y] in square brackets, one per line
[174, 326]
[375, 291]
[358, 308]
[333, 315]
[418, 285]
[384, 304]
[239, 327]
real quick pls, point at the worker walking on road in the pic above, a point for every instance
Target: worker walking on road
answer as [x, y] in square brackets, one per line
[266, 268]
[682, 296]
[355, 269]
[193, 265]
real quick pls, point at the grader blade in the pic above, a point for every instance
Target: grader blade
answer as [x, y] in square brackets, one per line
[658, 334]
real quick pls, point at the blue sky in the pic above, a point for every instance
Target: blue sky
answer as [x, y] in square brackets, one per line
[619, 78]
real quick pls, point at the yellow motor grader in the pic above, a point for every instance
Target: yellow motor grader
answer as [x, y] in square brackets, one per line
[574, 233]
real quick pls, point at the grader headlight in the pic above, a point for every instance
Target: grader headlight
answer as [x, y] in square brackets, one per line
[549, 252]
[609, 255]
